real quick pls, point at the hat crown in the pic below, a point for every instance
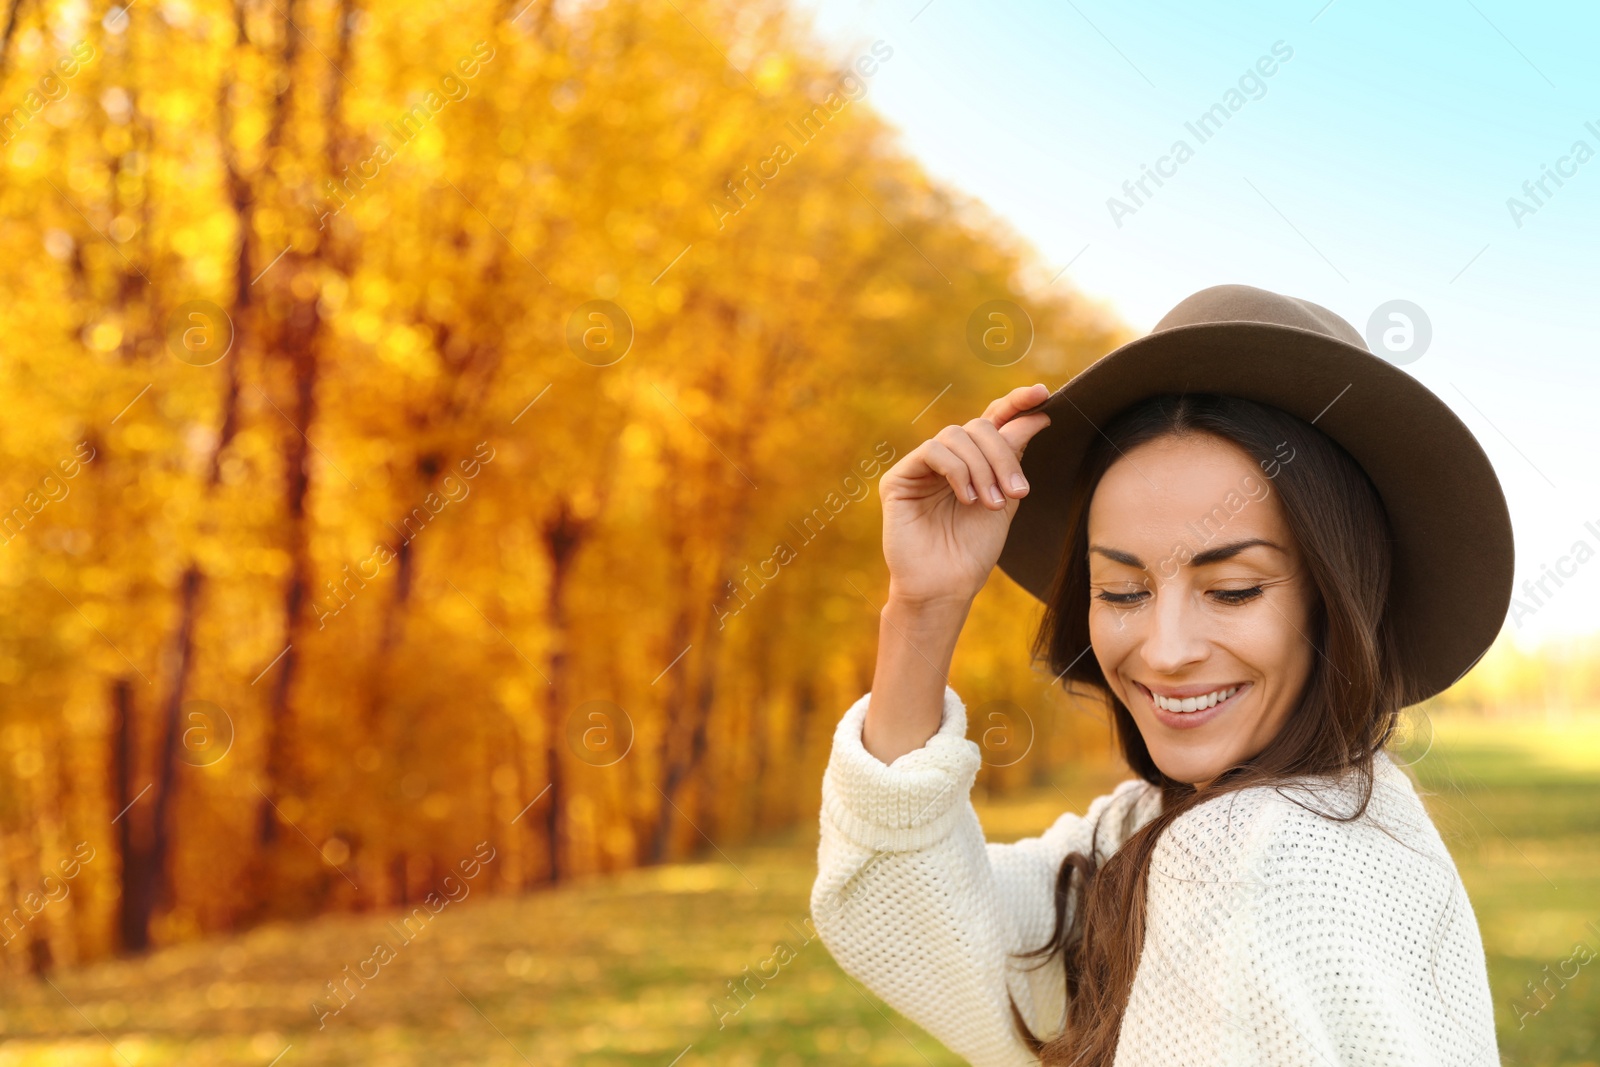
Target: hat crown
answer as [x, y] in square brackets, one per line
[1245, 303]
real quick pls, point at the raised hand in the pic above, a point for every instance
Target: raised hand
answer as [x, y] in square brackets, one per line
[947, 506]
[948, 503]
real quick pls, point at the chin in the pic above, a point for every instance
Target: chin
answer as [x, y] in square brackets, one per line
[1192, 772]
[1191, 766]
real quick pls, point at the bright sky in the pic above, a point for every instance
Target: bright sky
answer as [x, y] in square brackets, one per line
[1373, 164]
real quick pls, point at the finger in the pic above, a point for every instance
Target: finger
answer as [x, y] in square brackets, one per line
[944, 461]
[1001, 457]
[1003, 409]
[1022, 429]
[979, 470]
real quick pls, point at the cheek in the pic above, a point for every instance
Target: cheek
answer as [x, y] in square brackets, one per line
[1112, 635]
[1273, 645]
[1296, 659]
[1260, 649]
[1108, 626]
[1283, 636]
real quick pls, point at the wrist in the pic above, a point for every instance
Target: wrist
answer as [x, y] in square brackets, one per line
[930, 627]
[926, 609]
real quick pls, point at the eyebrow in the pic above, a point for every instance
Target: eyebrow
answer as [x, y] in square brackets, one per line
[1200, 559]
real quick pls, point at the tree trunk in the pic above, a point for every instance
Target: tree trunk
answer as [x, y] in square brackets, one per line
[391, 632]
[133, 909]
[563, 535]
[181, 658]
[299, 344]
[689, 710]
[302, 329]
[673, 712]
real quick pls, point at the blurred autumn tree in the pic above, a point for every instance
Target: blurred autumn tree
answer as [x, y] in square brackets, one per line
[363, 558]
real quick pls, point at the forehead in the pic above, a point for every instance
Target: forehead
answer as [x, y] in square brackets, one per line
[1166, 490]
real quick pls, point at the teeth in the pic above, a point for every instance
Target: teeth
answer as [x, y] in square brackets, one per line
[1194, 703]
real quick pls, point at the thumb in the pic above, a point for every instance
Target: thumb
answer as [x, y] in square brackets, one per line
[1021, 430]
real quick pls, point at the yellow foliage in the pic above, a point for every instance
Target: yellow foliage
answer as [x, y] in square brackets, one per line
[401, 529]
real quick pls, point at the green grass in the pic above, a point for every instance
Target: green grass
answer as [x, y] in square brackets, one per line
[620, 971]
[1519, 807]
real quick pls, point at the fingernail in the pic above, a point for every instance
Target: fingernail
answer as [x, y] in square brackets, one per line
[996, 495]
[972, 494]
[1019, 483]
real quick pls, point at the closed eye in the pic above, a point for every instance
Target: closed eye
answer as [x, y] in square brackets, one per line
[1225, 596]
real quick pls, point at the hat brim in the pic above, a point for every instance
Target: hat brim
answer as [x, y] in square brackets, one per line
[1453, 548]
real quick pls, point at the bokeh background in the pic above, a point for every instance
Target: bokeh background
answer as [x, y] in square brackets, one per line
[438, 531]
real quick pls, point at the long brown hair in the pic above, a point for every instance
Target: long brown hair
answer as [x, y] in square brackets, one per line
[1356, 690]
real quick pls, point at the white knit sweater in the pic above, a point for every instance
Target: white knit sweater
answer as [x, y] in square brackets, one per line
[1275, 937]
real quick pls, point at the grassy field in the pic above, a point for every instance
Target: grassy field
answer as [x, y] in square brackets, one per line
[623, 971]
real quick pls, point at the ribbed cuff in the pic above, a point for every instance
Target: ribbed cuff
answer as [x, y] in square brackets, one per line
[910, 803]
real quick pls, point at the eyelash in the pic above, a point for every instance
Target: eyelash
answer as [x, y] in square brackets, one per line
[1226, 596]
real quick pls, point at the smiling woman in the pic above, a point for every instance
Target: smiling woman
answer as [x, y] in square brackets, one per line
[1220, 644]
[1268, 888]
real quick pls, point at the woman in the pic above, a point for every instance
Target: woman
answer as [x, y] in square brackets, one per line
[1273, 542]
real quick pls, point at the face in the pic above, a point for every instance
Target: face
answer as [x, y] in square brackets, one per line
[1200, 607]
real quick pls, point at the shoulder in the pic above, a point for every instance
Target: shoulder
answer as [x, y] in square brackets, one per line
[1110, 820]
[1294, 877]
[1308, 852]
[1311, 829]
[1299, 905]
[1129, 801]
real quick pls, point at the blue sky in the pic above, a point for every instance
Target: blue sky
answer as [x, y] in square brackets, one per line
[1374, 164]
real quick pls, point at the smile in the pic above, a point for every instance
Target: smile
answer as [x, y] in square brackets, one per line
[1186, 713]
[1199, 703]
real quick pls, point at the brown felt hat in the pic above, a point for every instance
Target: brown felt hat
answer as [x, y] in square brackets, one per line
[1453, 552]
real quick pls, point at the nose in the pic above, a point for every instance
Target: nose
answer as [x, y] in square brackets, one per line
[1175, 639]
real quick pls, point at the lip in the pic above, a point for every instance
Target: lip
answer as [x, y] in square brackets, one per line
[1191, 720]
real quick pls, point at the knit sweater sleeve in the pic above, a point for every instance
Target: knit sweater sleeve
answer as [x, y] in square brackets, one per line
[915, 904]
